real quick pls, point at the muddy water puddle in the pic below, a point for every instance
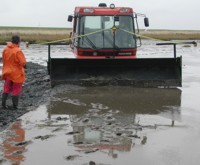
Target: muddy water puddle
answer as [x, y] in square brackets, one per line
[111, 125]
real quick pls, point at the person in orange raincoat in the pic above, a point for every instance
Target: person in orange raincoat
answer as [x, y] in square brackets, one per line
[13, 72]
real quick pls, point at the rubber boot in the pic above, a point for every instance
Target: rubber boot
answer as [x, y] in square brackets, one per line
[4, 98]
[15, 100]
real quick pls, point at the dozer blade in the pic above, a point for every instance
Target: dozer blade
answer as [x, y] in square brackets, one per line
[143, 72]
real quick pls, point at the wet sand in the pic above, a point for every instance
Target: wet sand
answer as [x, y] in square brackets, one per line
[110, 125]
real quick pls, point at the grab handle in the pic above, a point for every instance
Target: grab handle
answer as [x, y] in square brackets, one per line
[177, 43]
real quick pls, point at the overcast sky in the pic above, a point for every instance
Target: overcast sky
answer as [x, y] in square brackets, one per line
[162, 14]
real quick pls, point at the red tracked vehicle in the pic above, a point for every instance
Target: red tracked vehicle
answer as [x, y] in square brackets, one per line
[104, 32]
[104, 43]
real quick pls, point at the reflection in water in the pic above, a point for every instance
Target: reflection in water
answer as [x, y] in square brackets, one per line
[106, 117]
[12, 148]
[125, 99]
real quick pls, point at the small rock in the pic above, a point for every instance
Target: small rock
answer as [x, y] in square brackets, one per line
[76, 143]
[71, 157]
[72, 133]
[37, 137]
[85, 120]
[105, 141]
[43, 137]
[22, 143]
[115, 155]
[92, 163]
[135, 136]
[57, 129]
[59, 118]
[4, 123]
[144, 140]
[46, 137]
[18, 152]
[91, 151]
[118, 134]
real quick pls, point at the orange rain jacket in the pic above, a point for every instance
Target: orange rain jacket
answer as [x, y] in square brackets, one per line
[13, 63]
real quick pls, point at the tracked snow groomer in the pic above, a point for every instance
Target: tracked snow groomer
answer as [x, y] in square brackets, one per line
[104, 43]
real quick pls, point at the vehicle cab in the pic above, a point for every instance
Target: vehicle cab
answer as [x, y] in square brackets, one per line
[104, 32]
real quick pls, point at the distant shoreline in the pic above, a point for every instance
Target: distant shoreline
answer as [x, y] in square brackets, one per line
[172, 34]
[45, 34]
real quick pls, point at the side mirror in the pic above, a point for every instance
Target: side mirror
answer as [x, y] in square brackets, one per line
[146, 22]
[70, 18]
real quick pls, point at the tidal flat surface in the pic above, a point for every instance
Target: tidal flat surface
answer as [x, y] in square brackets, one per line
[110, 125]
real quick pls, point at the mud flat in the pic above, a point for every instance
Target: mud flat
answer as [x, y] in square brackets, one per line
[37, 35]
[105, 125]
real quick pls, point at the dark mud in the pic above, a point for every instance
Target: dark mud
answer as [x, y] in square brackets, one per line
[35, 92]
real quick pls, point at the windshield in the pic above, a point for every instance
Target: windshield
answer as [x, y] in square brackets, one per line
[97, 32]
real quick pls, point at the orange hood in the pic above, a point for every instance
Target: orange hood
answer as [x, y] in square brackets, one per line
[13, 63]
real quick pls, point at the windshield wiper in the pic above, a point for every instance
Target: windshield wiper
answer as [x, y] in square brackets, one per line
[110, 41]
[91, 43]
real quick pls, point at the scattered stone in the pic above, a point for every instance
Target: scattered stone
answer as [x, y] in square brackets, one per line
[71, 157]
[118, 133]
[4, 123]
[77, 143]
[109, 118]
[124, 132]
[85, 120]
[134, 136]
[18, 152]
[115, 156]
[46, 137]
[144, 140]
[72, 133]
[43, 137]
[105, 141]
[23, 143]
[59, 118]
[92, 163]
[37, 137]
[91, 150]
[57, 129]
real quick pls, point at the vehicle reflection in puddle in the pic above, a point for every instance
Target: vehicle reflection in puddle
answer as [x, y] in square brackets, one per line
[101, 124]
[111, 118]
